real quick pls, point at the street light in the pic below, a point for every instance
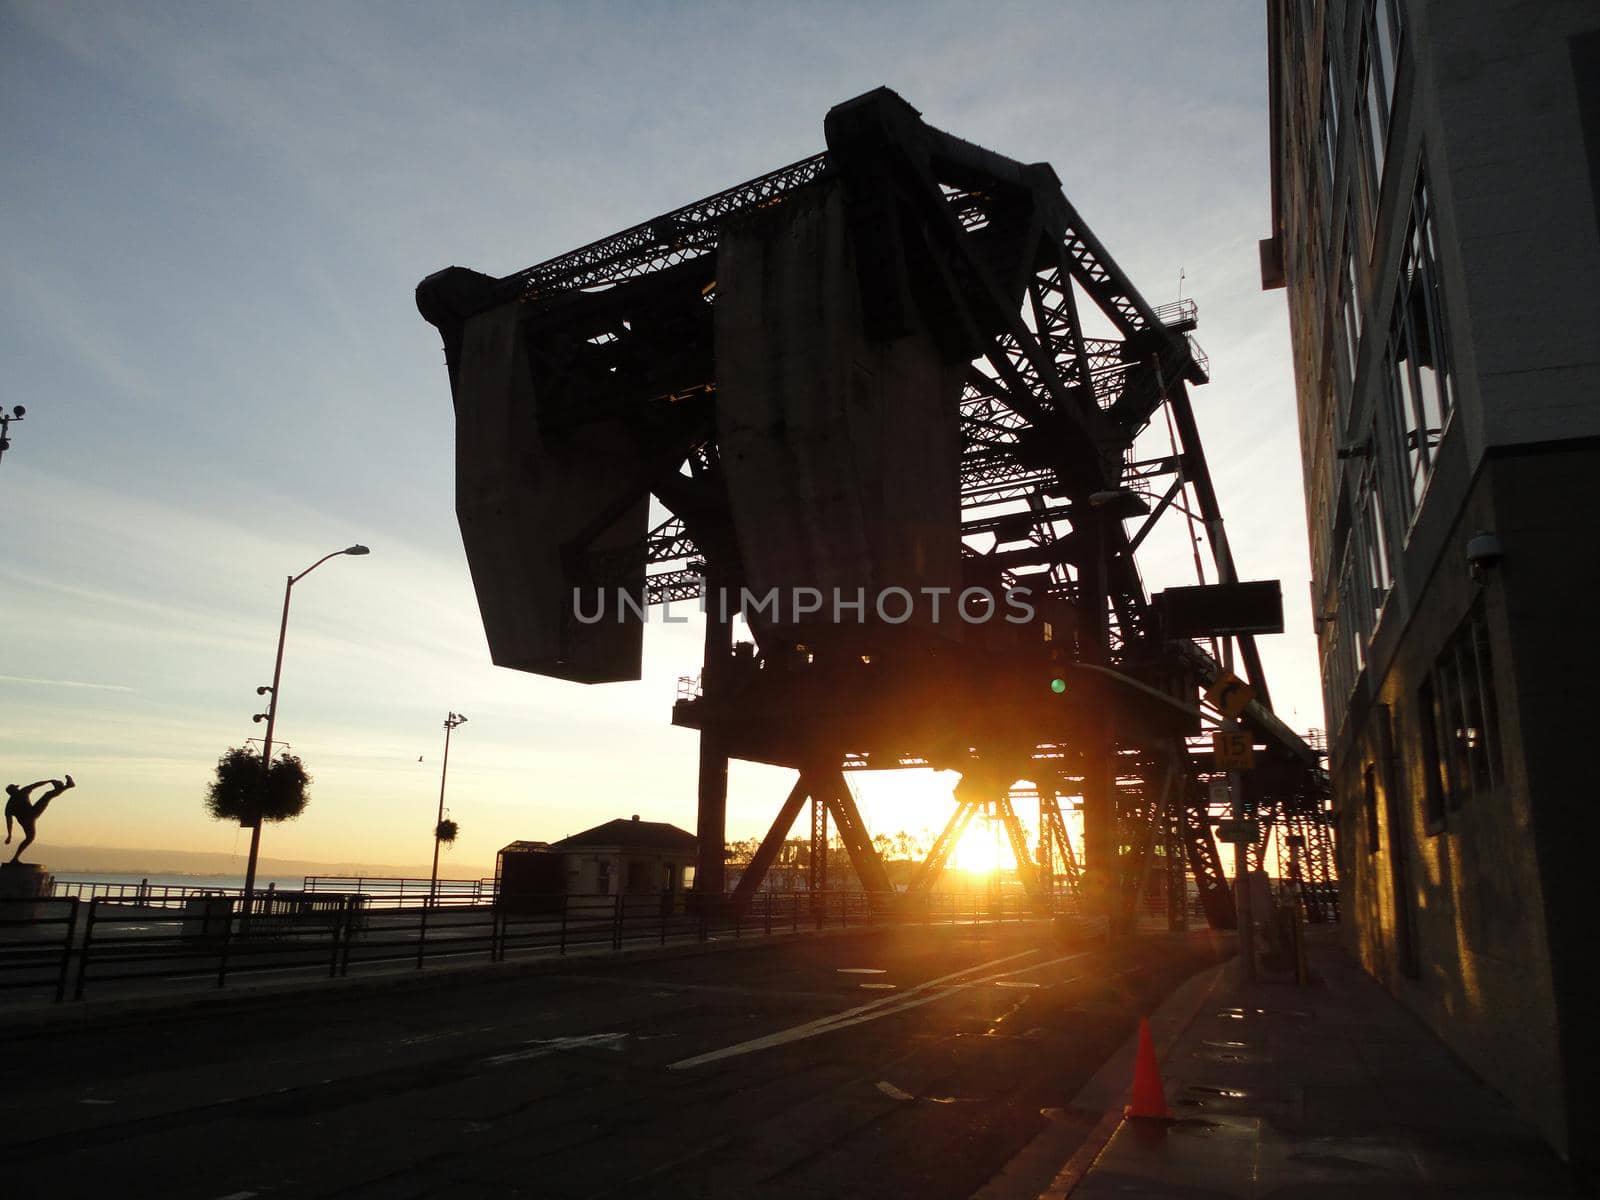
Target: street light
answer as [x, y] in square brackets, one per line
[272, 716]
[16, 414]
[450, 722]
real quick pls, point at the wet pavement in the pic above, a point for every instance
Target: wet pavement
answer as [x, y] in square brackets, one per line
[1333, 1090]
[900, 1062]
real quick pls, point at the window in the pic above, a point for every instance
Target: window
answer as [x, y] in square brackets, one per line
[1433, 790]
[1421, 386]
[1350, 310]
[1374, 123]
[1369, 805]
[1373, 527]
[1330, 118]
[1461, 750]
[1384, 33]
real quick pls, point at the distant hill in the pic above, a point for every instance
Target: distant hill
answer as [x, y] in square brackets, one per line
[62, 861]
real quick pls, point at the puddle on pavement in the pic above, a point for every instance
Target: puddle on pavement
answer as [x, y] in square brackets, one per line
[1221, 1092]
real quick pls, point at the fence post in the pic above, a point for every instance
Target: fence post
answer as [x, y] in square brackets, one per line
[616, 923]
[339, 921]
[422, 933]
[227, 942]
[83, 958]
[565, 900]
[767, 919]
[66, 949]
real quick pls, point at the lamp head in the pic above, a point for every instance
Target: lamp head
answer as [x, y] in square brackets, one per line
[358, 549]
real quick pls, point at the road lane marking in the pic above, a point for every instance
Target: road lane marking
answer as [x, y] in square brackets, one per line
[894, 1093]
[542, 1046]
[889, 1005]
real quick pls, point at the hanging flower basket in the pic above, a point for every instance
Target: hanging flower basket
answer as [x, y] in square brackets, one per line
[446, 831]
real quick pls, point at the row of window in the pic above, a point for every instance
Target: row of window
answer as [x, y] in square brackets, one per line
[1415, 397]
[1459, 720]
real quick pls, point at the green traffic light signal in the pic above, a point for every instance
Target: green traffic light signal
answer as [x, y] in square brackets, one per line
[1058, 685]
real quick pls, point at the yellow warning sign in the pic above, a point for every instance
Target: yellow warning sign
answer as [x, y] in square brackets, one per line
[1230, 695]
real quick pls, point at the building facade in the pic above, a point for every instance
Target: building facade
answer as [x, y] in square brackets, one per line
[628, 858]
[1436, 222]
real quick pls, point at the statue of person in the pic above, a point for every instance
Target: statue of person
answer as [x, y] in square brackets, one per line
[27, 814]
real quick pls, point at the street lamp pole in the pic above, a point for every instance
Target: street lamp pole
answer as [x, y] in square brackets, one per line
[272, 716]
[450, 722]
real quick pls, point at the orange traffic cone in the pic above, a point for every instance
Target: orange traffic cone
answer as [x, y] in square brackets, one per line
[1149, 1097]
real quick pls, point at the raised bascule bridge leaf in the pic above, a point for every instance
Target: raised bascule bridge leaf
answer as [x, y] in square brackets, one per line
[887, 398]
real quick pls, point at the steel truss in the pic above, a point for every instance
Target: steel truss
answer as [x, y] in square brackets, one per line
[1050, 484]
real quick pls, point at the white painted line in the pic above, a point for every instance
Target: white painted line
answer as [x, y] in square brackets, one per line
[889, 1005]
[543, 1046]
[861, 971]
[894, 1093]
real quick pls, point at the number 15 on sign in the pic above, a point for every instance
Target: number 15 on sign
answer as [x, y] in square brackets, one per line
[1232, 750]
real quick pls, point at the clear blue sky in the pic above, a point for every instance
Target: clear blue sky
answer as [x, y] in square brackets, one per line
[214, 217]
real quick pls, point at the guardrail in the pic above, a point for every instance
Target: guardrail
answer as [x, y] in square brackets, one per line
[167, 943]
[397, 889]
[36, 938]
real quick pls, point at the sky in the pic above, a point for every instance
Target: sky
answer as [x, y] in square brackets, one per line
[214, 218]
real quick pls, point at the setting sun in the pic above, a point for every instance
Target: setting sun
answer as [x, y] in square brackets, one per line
[980, 849]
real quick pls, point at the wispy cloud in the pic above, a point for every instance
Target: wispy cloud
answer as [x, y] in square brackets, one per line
[66, 683]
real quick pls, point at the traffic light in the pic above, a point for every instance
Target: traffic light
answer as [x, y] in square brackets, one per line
[1058, 685]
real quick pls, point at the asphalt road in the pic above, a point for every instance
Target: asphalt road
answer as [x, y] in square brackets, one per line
[905, 1062]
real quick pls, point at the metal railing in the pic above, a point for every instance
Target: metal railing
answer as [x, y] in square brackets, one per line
[91, 889]
[111, 944]
[36, 938]
[403, 890]
[391, 889]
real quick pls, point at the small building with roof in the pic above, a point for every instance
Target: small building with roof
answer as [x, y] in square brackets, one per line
[627, 857]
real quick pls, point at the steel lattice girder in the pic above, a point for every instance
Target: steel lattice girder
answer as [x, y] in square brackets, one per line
[948, 235]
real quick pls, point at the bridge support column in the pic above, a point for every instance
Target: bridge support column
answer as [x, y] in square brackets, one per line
[711, 822]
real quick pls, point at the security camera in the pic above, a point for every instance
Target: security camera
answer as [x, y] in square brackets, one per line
[19, 411]
[1483, 551]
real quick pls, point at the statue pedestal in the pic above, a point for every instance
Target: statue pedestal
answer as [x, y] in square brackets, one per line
[24, 881]
[21, 883]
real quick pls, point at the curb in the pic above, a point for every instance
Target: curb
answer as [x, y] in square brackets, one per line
[1173, 1019]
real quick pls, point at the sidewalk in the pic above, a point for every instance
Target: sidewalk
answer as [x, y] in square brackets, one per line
[1332, 1090]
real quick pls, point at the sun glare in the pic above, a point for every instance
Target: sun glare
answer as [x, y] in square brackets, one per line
[980, 851]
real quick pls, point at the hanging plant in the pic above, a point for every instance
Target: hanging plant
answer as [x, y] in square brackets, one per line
[241, 791]
[446, 831]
